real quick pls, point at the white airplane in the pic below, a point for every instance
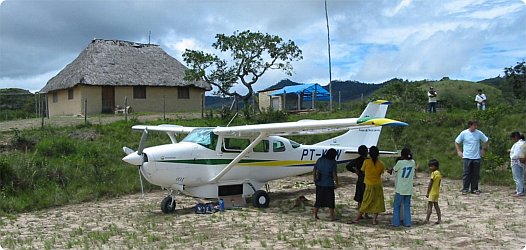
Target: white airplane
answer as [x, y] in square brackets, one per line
[239, 160]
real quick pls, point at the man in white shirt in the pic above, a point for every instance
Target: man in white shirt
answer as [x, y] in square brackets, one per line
[471, 145]
[432, 100]
[480, 99]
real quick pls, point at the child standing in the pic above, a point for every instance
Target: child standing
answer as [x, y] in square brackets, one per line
[405, 173]
[433, 190]
[373, 198]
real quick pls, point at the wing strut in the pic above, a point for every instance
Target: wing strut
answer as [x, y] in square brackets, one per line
[238, 157]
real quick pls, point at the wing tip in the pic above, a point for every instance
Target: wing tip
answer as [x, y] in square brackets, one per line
[382, 102]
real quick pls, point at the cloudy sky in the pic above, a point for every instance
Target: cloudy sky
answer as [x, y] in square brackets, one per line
[371, 40]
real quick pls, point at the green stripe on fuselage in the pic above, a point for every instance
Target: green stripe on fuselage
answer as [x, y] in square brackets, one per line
[245, 162]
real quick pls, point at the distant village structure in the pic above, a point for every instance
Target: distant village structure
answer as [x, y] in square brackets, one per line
[109, 71]
[292, 98]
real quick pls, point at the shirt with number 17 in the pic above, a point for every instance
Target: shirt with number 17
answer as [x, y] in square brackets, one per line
[405, 172]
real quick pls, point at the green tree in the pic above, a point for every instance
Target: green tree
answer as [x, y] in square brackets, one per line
[251, 55]
[408, 94]
[516, 78]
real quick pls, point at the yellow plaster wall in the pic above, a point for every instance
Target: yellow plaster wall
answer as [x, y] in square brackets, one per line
[154, 99]
[152, 103]
[65, 106]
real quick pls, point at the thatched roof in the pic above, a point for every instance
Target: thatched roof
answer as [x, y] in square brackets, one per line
[122, 63]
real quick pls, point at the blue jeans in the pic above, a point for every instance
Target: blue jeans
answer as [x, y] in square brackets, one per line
[471, 175]
[405, 201]
[432, 107]
[518, 176]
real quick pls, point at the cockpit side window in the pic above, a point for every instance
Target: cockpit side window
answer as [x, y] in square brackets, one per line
[262, 146]
[234, 144]
[278, 146]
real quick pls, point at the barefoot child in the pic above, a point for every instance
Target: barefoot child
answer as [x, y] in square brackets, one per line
[433, 190]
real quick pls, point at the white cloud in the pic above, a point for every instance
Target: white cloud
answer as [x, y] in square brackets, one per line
[460, 6]
[496, 12]
[402, 5]
[371, 41]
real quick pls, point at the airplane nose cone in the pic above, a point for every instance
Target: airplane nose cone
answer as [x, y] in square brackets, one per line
[133, 159]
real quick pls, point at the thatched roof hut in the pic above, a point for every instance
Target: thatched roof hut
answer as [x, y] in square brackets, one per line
[122, 63]
[111, 74]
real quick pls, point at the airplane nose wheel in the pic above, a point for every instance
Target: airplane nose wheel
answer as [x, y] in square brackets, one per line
[260, 199]
[168, 205]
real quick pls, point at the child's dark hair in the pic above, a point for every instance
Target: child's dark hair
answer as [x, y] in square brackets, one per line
[362, 150]
[406, 154]
[434, 162]
[374, 153]
[517, 134]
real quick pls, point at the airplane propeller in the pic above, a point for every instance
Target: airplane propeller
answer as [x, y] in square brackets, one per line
[138, 157]
[144, 136]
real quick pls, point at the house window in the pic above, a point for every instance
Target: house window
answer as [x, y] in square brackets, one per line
[139, 92]
[70, 94]
[55, 96]
[183, 92]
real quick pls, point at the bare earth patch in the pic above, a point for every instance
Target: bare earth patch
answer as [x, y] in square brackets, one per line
[491, 220]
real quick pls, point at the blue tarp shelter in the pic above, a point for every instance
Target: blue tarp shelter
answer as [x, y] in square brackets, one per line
[298, 97]
[307, 90]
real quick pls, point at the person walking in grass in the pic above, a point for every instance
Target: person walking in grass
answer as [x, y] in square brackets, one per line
[433, 191]
[471, 145]
[326, 180]
[404, 170]
[517, 167]
[373, 197]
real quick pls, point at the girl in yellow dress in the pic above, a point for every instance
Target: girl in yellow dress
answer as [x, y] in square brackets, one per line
[433, 190]
[373, 198]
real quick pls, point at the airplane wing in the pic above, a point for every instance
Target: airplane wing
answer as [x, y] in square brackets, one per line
[171, 130]
[306, 127]
[165, 128]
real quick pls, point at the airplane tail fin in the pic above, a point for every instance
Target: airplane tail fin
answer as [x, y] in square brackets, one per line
[362, 136]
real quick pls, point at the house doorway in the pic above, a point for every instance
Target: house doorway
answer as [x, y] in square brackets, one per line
[108, 99]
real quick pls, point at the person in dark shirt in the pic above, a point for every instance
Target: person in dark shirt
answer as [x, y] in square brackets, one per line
[326, 180]
[355, 166]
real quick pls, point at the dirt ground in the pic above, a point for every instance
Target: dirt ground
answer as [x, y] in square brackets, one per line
[491, 220]
[78, 120]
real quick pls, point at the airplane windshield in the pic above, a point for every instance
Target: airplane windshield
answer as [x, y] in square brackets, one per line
[201, 136]
[294, 144]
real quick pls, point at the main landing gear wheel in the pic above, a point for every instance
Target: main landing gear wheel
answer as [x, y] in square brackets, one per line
[167, 206]
[260, 199]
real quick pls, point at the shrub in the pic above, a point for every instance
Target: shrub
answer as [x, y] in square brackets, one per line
[270, 115]
[7, 176]
[56, 147]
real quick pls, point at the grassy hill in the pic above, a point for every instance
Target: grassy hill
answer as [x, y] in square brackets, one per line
[16, 103]
[452, 94]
